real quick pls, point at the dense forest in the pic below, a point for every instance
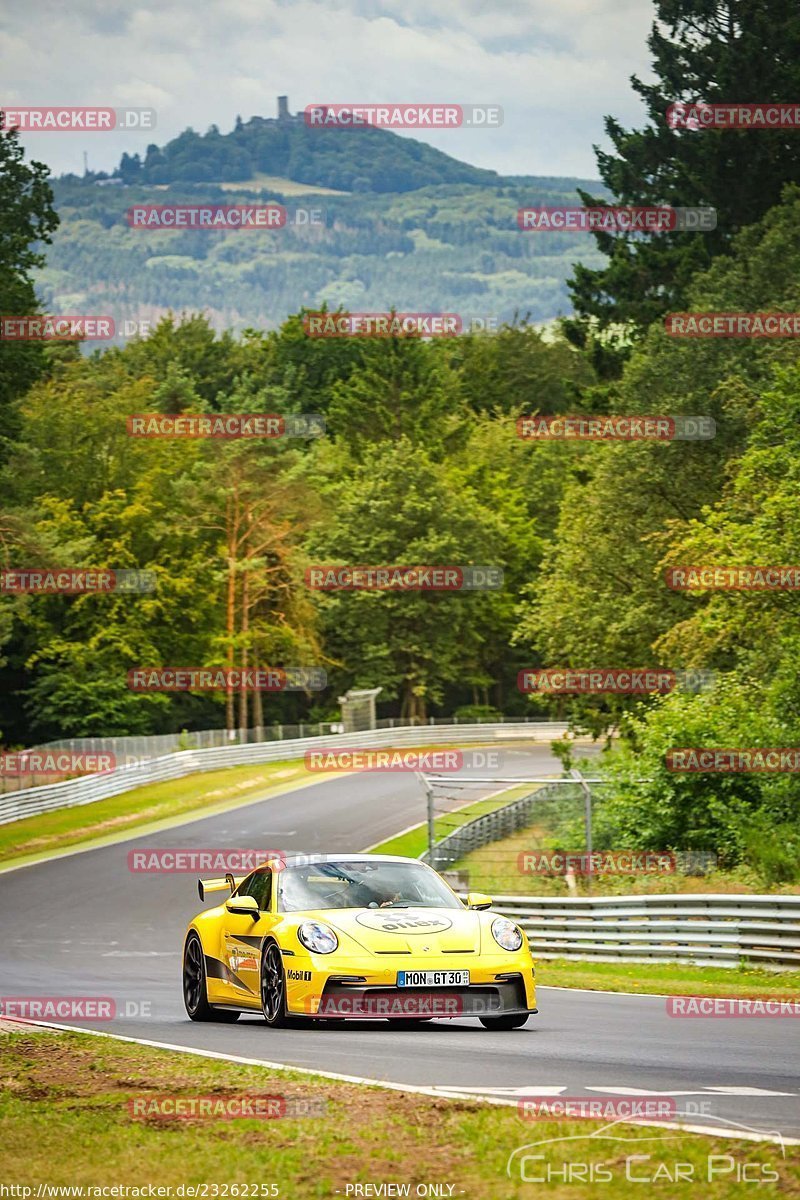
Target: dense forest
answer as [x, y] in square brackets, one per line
[444, 247]
[421, 463]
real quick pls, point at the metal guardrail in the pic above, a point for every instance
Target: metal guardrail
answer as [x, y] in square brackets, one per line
[72, 792]
[706, 929]
[156, 745]
[135, 747]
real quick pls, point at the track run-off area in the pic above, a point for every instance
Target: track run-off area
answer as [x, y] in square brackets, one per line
[83, 924]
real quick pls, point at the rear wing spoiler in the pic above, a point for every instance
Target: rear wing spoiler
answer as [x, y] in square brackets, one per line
[204, 886]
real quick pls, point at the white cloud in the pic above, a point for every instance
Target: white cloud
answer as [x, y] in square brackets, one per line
[556, 68]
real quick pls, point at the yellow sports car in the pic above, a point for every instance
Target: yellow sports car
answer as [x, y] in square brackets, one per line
[358, 936]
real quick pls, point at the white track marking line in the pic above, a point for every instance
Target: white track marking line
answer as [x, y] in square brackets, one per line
[530, 1090]
[703, 1089]
[409, 1088]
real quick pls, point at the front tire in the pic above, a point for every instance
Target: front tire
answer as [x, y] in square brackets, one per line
[512, 1021]
[195, 987]
[273, 987]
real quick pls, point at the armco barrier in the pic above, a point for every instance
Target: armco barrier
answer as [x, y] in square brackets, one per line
[72, 792]
[705, 929]
[135, 747]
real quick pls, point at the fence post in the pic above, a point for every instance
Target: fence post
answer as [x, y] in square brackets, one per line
[431, 830]
[587, 794]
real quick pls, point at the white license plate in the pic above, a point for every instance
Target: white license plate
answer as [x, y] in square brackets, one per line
[433, 978]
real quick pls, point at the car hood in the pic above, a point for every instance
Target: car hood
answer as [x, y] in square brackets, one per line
[418, 930]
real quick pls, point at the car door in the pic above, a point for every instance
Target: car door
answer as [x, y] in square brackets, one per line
[242, 937]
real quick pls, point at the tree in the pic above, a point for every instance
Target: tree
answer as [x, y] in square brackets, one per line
[27, 216]
[400, 508]
[600, 599]
[400, 390]
[710, 51]
[217, 523]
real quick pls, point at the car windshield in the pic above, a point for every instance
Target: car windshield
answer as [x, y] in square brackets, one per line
[348, 884]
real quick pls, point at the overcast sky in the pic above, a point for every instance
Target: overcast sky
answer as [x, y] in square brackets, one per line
[555, 66]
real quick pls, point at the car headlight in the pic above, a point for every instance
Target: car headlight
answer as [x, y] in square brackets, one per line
[318, 938]
[506, 934]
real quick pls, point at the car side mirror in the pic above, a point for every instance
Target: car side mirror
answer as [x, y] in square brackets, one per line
[478, 900]
[246, 905]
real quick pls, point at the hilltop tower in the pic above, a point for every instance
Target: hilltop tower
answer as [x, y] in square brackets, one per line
[283, 108]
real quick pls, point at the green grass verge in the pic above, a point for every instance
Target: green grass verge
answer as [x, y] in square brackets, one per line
[149, 807]
[673, 979]
[65, 1114]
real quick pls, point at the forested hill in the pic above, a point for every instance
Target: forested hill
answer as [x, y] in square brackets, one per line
[362, 160]
[400, 225]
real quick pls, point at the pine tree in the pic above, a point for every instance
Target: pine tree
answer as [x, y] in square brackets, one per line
[708, 51]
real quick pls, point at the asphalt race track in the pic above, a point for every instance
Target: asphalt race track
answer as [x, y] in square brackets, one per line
[84, 925]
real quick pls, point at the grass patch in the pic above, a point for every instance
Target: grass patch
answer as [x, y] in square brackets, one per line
[493, 869]
[673, 979]
[200, 794]
[65, 1116]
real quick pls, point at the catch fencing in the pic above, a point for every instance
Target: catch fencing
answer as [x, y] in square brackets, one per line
[492, 826]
